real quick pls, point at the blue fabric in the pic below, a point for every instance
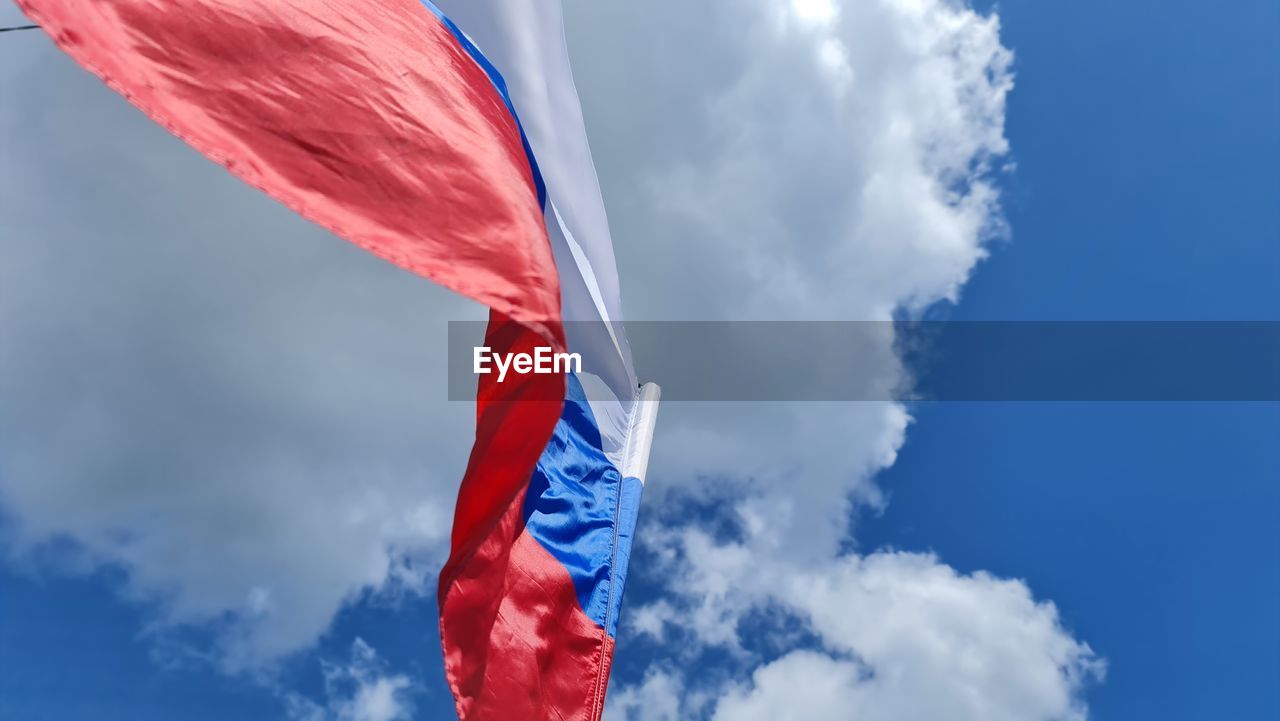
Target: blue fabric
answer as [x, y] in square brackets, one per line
[500, 85]
[582, 511]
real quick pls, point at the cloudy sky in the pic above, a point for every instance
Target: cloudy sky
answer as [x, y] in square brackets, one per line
[227, 461]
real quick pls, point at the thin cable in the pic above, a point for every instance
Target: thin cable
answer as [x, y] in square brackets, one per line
[19, 27]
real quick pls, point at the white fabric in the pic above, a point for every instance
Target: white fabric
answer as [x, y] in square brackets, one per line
[524, 39]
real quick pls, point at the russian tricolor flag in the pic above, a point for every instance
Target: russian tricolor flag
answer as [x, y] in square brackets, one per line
[448, 139]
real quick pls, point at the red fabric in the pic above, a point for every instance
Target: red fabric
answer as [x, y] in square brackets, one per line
[365, 116]
[546, 660]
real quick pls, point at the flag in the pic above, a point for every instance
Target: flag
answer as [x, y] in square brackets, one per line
[447, 139]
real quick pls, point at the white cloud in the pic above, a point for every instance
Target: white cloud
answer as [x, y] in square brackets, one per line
[819, 12]
[802, 686]
[660, 697]
[821, 200]
[838, 166]
[360, 690]
[901, 637]
[935, 640]
[774, 185]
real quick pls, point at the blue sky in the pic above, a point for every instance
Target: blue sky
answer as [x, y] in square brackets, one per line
[1146, 147]
[1146, 151]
